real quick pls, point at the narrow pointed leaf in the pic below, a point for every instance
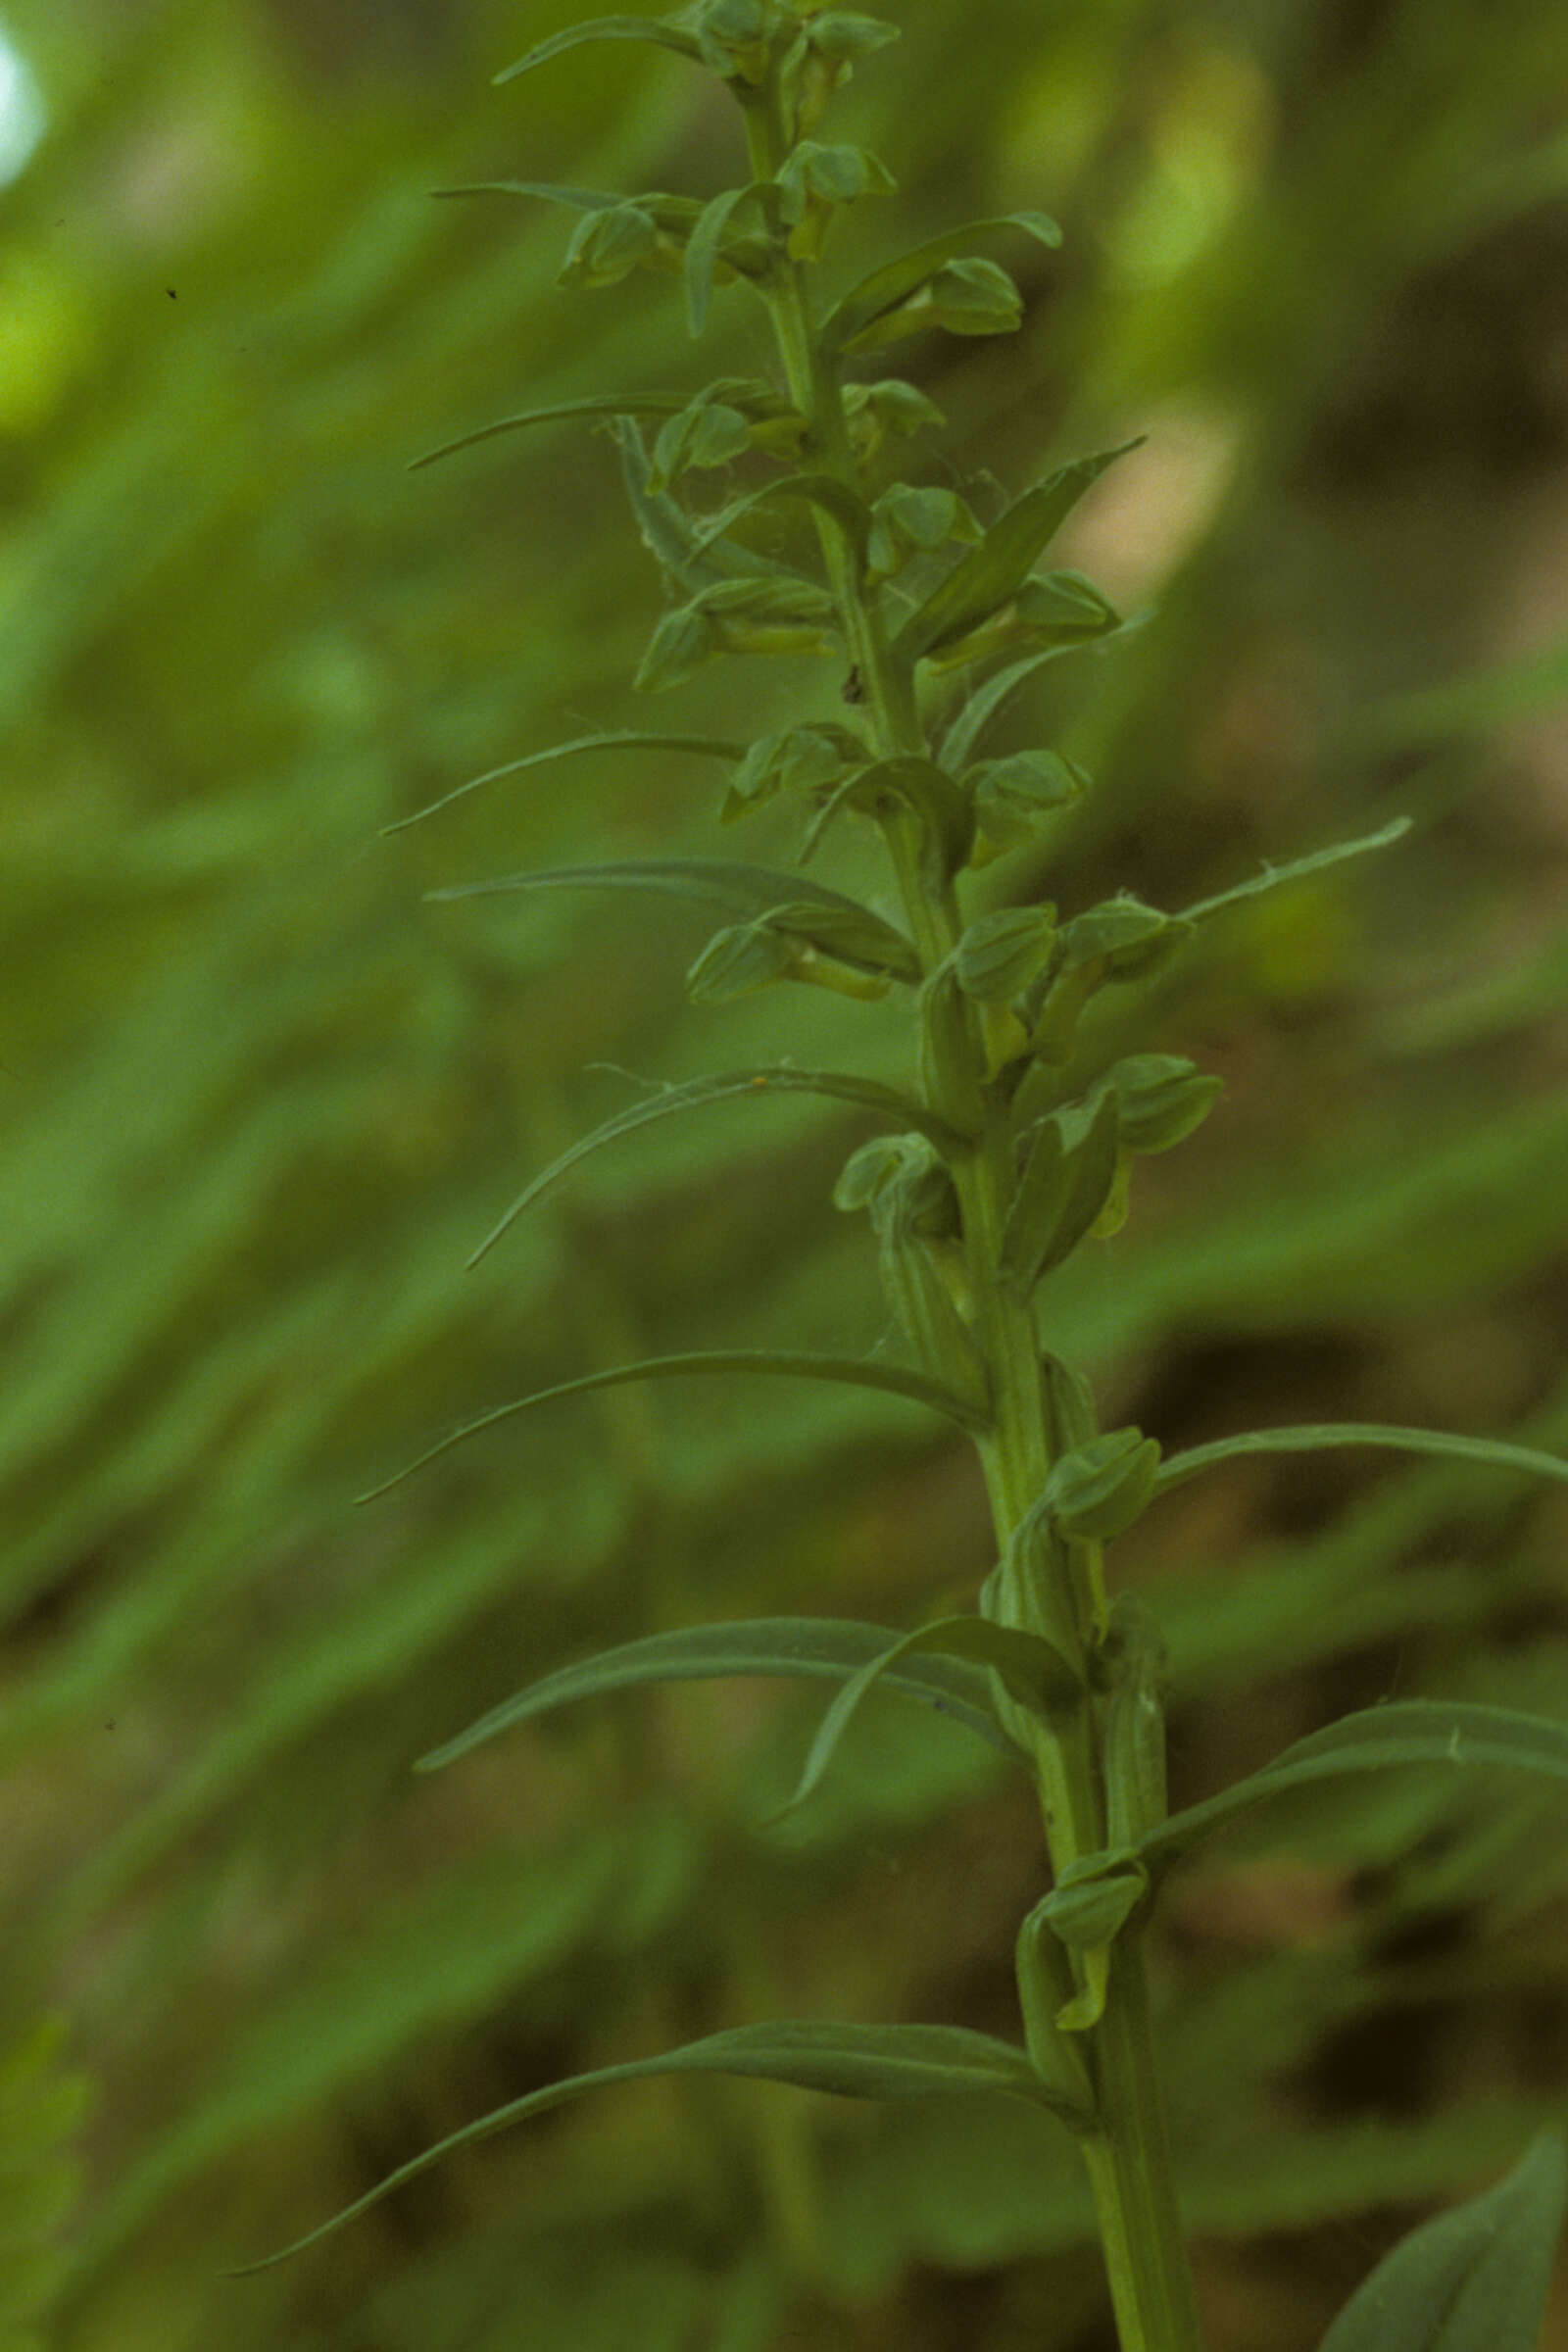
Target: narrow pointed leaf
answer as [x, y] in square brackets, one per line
[704, 747]
[852, 513]
[602, 28]
[852, 2061]
[1273, 876]
[713, 882]
[994, 571]
[1031, 1668]
[1474, 2279]
[1447, 1734]
[704, 243]
[1492, 1453]
[978, 709]
[604, 405]
[895, 279]
[667, 530]
[549, 191]
[775, 1649]
[895, 1380]
[726, 1086]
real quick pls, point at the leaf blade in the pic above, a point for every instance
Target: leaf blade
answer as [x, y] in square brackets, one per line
[727, 1086]
[1377, 1740]
[600, 28]
[624, 738]
[1474, 2279]
[887, 285]
[1312, 1437]
[782, 1648]
[848, 2061]
[895, 1380]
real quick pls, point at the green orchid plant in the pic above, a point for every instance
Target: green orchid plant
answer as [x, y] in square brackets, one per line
[1008, 1151]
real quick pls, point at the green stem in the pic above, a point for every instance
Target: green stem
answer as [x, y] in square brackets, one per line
[1128, 2155]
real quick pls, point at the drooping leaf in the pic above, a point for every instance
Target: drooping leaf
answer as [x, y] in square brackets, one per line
[851, 2060]
[1474, 2279]
[653, 404]
[896, 1380]
[666, 35]
[1316, 1437]
[725, 1087]
[1447, 1733]
[713, 882]
[1031, 1668]
[990, 573]
[704, 747]
[1273, 878]
[890, 284]
[786, 1649]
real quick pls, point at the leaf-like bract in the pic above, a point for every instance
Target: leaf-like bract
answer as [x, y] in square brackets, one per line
[994, 571]
[1031, 1668]
[895, 1380]
[725, 1087]
[561, 411]
[852, 2061]
[784, 1649]
[704, 747]
[1431, 1732]
[713, 882]
[1273, 878]
[602, 28]
[1493, 1453]
[1473, 2280]
[895, 279]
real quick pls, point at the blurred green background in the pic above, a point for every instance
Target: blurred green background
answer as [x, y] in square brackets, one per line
[259, 1101]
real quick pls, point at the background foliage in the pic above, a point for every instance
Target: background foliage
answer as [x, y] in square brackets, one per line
[261, 1102]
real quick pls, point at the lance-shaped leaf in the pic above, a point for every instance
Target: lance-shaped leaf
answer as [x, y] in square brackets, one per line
[781, 1648]
[852, 2061]
[893, 1380]
[977, 709]
[727, 1086]
[736, 889]
[704, 747]
[666, 34]
[603, 405]
[1474, 2279]
[1031, 1670]
[992, 572]
[1494, 1453]
[1451, 1734]
[888, 285]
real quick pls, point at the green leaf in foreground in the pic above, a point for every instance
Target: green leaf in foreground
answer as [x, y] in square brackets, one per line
[852, 2061]
[1474, 2279]
[783, 1649]
[1449, 1734]
[1493, 1453]
[727, 1087]
[894, 1379]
